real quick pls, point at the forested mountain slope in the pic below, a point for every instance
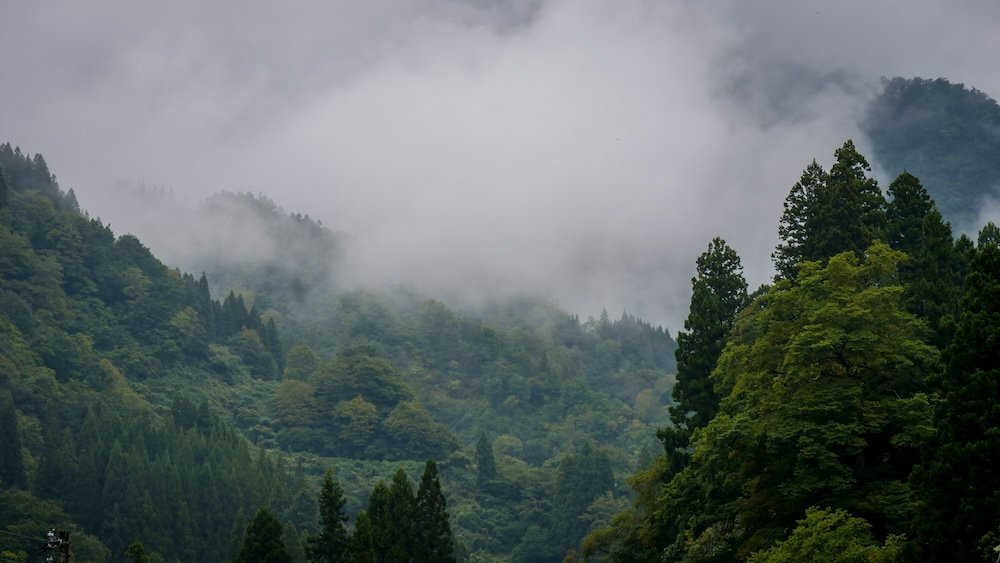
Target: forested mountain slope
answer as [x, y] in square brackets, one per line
[946, 134]
[137, 407]
[87, 318]
[850, 413]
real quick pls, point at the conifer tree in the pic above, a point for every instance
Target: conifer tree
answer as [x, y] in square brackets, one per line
[3, 187]
[905, 212]
[486, 465]
[582, 478]
[824, 404]
[400, 519]
[829, 213]
[794, 227]
[362, 543]
[378, 516]
[719, 291]
[916, 227]
[262, 543]
[331, 544]
[11, 459]
[959, 516]
[433, 530]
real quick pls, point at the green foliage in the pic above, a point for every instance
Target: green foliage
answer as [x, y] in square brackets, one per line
[11, 457]
[301, 363]
[362, 542]
[486, 465]
[28, 516]
[824, 383]
[401, 523]
[331, 544]
[432, 528]
[958, 514]
[136, 553]
[718, 293]
[831, 535]
[827, 213]
[582, 478]
[262, 543]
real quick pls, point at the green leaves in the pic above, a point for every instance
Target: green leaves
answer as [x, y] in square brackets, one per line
[823, 382]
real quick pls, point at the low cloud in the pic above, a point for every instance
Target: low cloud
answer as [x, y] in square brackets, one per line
[587, 150]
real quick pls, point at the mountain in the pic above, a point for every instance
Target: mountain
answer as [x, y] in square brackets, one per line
[137, 406]
[946, 134]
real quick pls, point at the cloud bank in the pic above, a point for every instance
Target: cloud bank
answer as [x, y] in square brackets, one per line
[585, 149]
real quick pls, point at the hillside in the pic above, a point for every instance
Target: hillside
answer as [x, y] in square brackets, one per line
[133, 392]
[946, 134]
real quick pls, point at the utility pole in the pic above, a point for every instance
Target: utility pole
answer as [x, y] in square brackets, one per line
[59, 543]
[63, 546]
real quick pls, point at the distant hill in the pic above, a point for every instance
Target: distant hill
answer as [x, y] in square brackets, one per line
[946, 134]
[135, 406]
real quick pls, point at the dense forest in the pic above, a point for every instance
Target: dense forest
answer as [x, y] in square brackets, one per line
[139, 408]
[257, 410]
[845, 412]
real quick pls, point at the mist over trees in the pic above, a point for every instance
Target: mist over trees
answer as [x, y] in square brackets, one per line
[257, 410]
[104, 349]
[837, 411]
[944, 133]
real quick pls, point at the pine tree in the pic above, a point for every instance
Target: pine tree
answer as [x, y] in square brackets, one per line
[262, 543]
[719, 291]
[829, 213]
[11, 458]
[959, 515]
[582, 478]
[793, 229]
[917, 228]
[905, 212]
[433, 530]
[3, 187]
[486, 465]
[331, 544]
[400, 519]
[378, 517]
[850, 210]
[362, 544]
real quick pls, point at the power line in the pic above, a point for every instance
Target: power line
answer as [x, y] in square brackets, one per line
[22, 536]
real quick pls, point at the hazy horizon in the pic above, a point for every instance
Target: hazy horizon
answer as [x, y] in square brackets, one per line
[583, 150]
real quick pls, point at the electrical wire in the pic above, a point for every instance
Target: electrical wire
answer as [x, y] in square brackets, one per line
[22, 536]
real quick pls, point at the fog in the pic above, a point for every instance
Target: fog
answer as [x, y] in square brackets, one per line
[587, 150]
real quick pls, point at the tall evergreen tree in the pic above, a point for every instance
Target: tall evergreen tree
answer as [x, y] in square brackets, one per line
[959, 514]
[905, 212]
[400, 519]
[829, 213]
[3, 187]
[362, 543]
[434, 540]
[718, 292]
[262, 543]
[916, 227]
[486, 465]
[378, 517]
[331, 543]
[583, 477]
[11, 459]
[794, 227]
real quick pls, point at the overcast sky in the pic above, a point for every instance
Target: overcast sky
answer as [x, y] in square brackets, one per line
[588, 149]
